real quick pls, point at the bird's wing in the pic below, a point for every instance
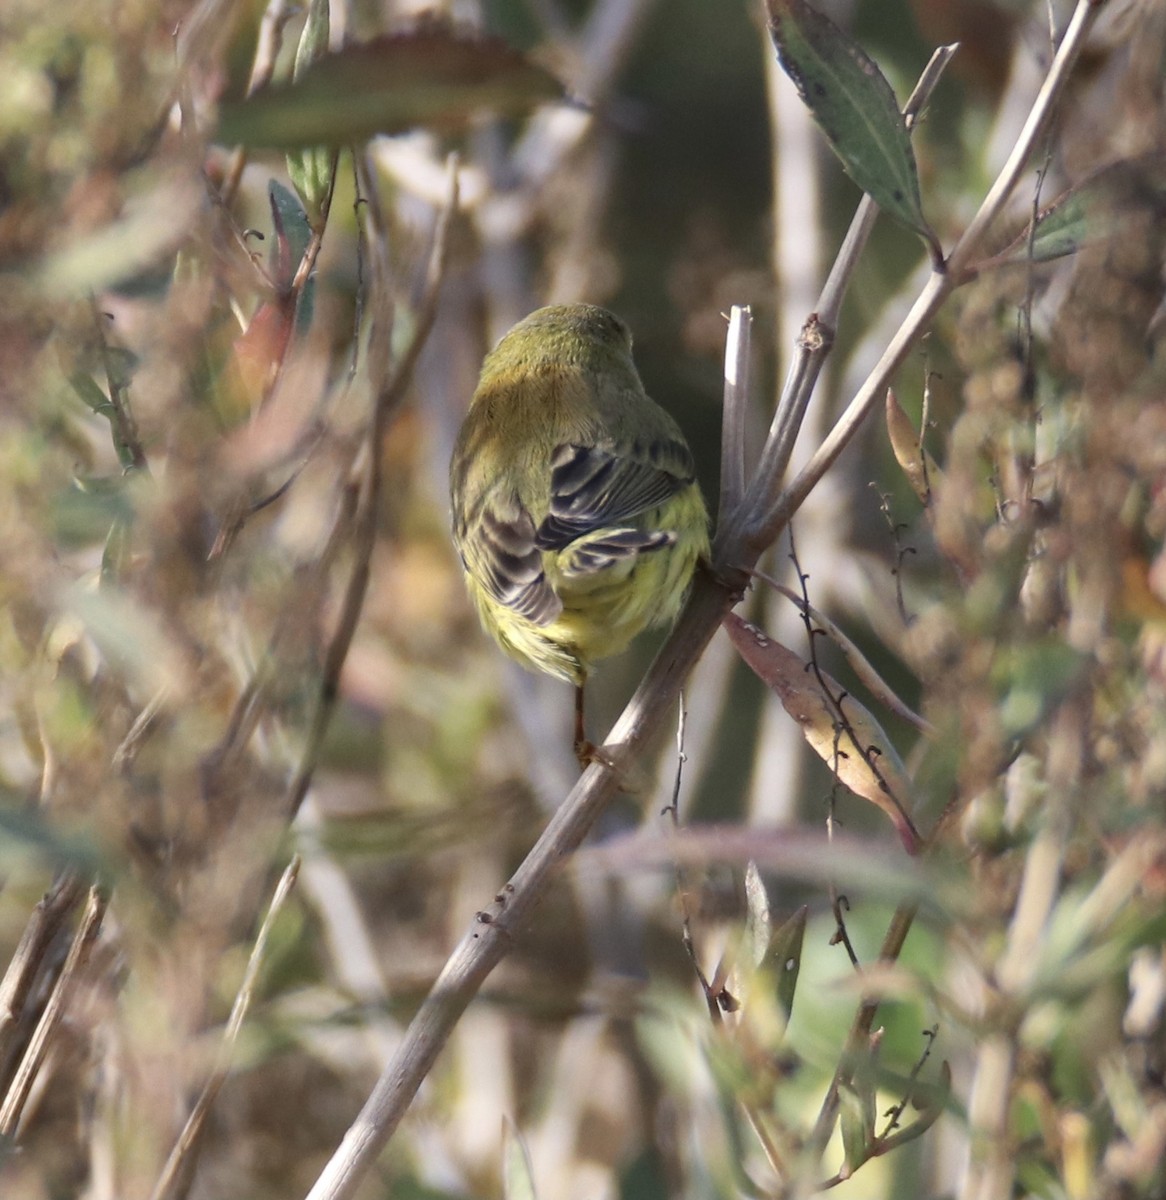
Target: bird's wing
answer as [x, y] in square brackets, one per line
[599, 486]
[507, 562]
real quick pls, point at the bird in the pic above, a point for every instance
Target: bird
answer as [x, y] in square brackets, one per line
[575, 506]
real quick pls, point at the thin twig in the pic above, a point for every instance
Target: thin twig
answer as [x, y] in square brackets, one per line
[839, 903]
[47, 920]
[359, 202]
[672, 811]
[813, 347]
[178, 1173]
[121, 417]
[388, 398]
[844, 731]
[902, 551]
[939, 286]
[238, 237]
[895, 1114]
[859, 663]
[859, 1034]
[34, 1056]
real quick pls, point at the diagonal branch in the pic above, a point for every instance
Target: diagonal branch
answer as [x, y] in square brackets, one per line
[738, 544]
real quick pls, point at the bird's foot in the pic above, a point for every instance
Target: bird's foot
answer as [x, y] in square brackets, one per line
[633, 780]
[587, 752]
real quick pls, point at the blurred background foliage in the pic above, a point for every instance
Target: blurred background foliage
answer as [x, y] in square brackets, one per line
[212, 460]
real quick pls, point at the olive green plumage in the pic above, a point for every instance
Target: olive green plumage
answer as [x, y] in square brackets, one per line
[575, 508]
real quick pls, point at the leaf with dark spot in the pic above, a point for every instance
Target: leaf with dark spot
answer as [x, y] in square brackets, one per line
[854, 106]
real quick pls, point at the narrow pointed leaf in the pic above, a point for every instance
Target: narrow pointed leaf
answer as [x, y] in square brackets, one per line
[785, 953]
[777, 952]
[431, 77]
[858, 1105]
[115, 558]
[313, 44]
[856, 1134]
[930, 1101]
[293, 232]
[121, 364]
[90, 393]
[312, 169]
[861, 755]
[1093, 211]
[919, 467]
[854, 106]
[758, 926]
[517, 1173]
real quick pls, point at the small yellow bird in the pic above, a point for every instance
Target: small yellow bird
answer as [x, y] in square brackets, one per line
[575, 506]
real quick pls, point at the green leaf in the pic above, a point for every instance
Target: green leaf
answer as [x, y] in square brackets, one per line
[1093, 211]
[313, 43]
[1032, 679]
[432, 77]
[121, 364]
[89, 390]
[930, 1100]
[758, 924]
[292, 233]
[24, 831]
[517, 1173]
[855, 107]
[116, 556]
[857, 1131]
[312, 169]
[785, 954]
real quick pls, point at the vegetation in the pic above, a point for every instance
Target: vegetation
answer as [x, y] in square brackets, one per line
[283, 835]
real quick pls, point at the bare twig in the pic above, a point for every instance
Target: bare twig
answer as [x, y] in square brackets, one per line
[839, 903]
[813, 347]
[847, 740]
[858, 661]
[388, 398]
[178, 1173]
[672, 812]
[859, 1034]
[941, 283]
[895, 1114]
[47, 920]
[17, 1094]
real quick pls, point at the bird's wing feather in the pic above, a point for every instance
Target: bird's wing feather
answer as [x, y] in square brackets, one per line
[506, 561]
[597, 487]
[590, 555]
